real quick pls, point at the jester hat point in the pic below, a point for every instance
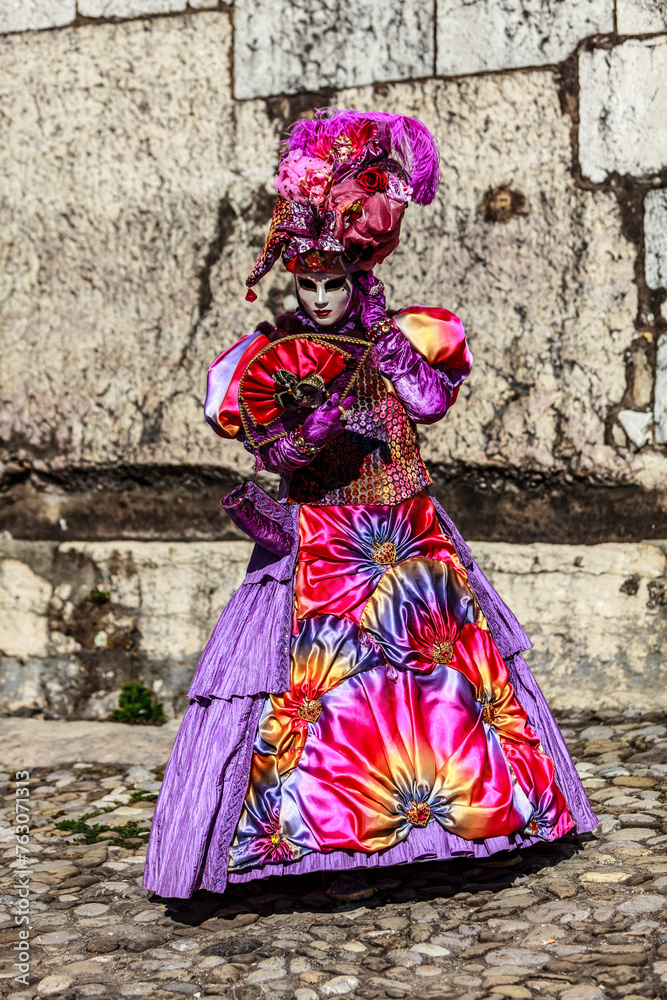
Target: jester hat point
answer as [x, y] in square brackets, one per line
[344, 181]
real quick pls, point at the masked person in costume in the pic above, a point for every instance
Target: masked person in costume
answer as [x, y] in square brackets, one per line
[362, 701]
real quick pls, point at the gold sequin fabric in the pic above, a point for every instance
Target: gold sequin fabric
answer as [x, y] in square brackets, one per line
[376, 460]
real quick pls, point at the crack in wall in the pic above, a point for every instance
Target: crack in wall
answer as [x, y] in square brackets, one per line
[630, 194]
[225, 226]
[81, 21]
[287, 108]
[224, 230]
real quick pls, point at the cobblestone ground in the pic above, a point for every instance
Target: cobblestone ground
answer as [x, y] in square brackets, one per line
[579, 919]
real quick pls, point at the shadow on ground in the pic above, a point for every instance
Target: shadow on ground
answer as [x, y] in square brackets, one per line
[412, 883]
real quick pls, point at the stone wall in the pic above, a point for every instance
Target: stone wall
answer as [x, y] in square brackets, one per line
[138, 140]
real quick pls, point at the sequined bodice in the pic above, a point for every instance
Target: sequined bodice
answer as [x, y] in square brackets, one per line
[376, 460]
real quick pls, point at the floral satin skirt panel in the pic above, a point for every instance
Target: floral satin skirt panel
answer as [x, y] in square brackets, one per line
[400, 711]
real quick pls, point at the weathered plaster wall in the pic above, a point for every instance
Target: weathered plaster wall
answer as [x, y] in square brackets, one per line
[79, 620]
[138, 140]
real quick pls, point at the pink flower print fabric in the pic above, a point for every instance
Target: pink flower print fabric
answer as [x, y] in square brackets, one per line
[345, 551]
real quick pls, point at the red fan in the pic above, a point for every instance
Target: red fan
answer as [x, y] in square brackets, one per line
[292, 372]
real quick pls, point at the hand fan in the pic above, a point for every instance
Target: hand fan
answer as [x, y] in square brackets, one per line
[294, 372]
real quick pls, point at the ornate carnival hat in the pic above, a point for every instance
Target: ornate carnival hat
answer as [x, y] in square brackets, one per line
[343, 182]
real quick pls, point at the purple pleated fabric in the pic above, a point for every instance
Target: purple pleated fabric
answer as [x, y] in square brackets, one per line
[247, 658]
[201, 797]
[248, 652]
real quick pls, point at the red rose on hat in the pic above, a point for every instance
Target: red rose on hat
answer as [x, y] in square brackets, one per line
[373, 180]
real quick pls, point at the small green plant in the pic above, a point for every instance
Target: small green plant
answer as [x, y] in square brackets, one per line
[138, 706]
[91, 833]
[143, 797]
[99, 596]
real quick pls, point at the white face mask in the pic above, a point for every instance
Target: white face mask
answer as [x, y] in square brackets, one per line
[324, 297]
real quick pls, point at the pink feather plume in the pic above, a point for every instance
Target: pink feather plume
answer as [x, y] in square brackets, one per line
[411, 143]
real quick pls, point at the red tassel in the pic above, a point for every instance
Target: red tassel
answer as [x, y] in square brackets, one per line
[250, 295]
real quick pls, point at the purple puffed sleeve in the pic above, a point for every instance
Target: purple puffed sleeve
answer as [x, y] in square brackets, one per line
[426, 380]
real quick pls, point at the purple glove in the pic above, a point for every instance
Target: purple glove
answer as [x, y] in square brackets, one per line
[326, 422]
[323, 424]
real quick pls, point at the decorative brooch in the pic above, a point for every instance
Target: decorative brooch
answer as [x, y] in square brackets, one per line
[302, 446]
[418, 813]
[290, 389]
[378, 329]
